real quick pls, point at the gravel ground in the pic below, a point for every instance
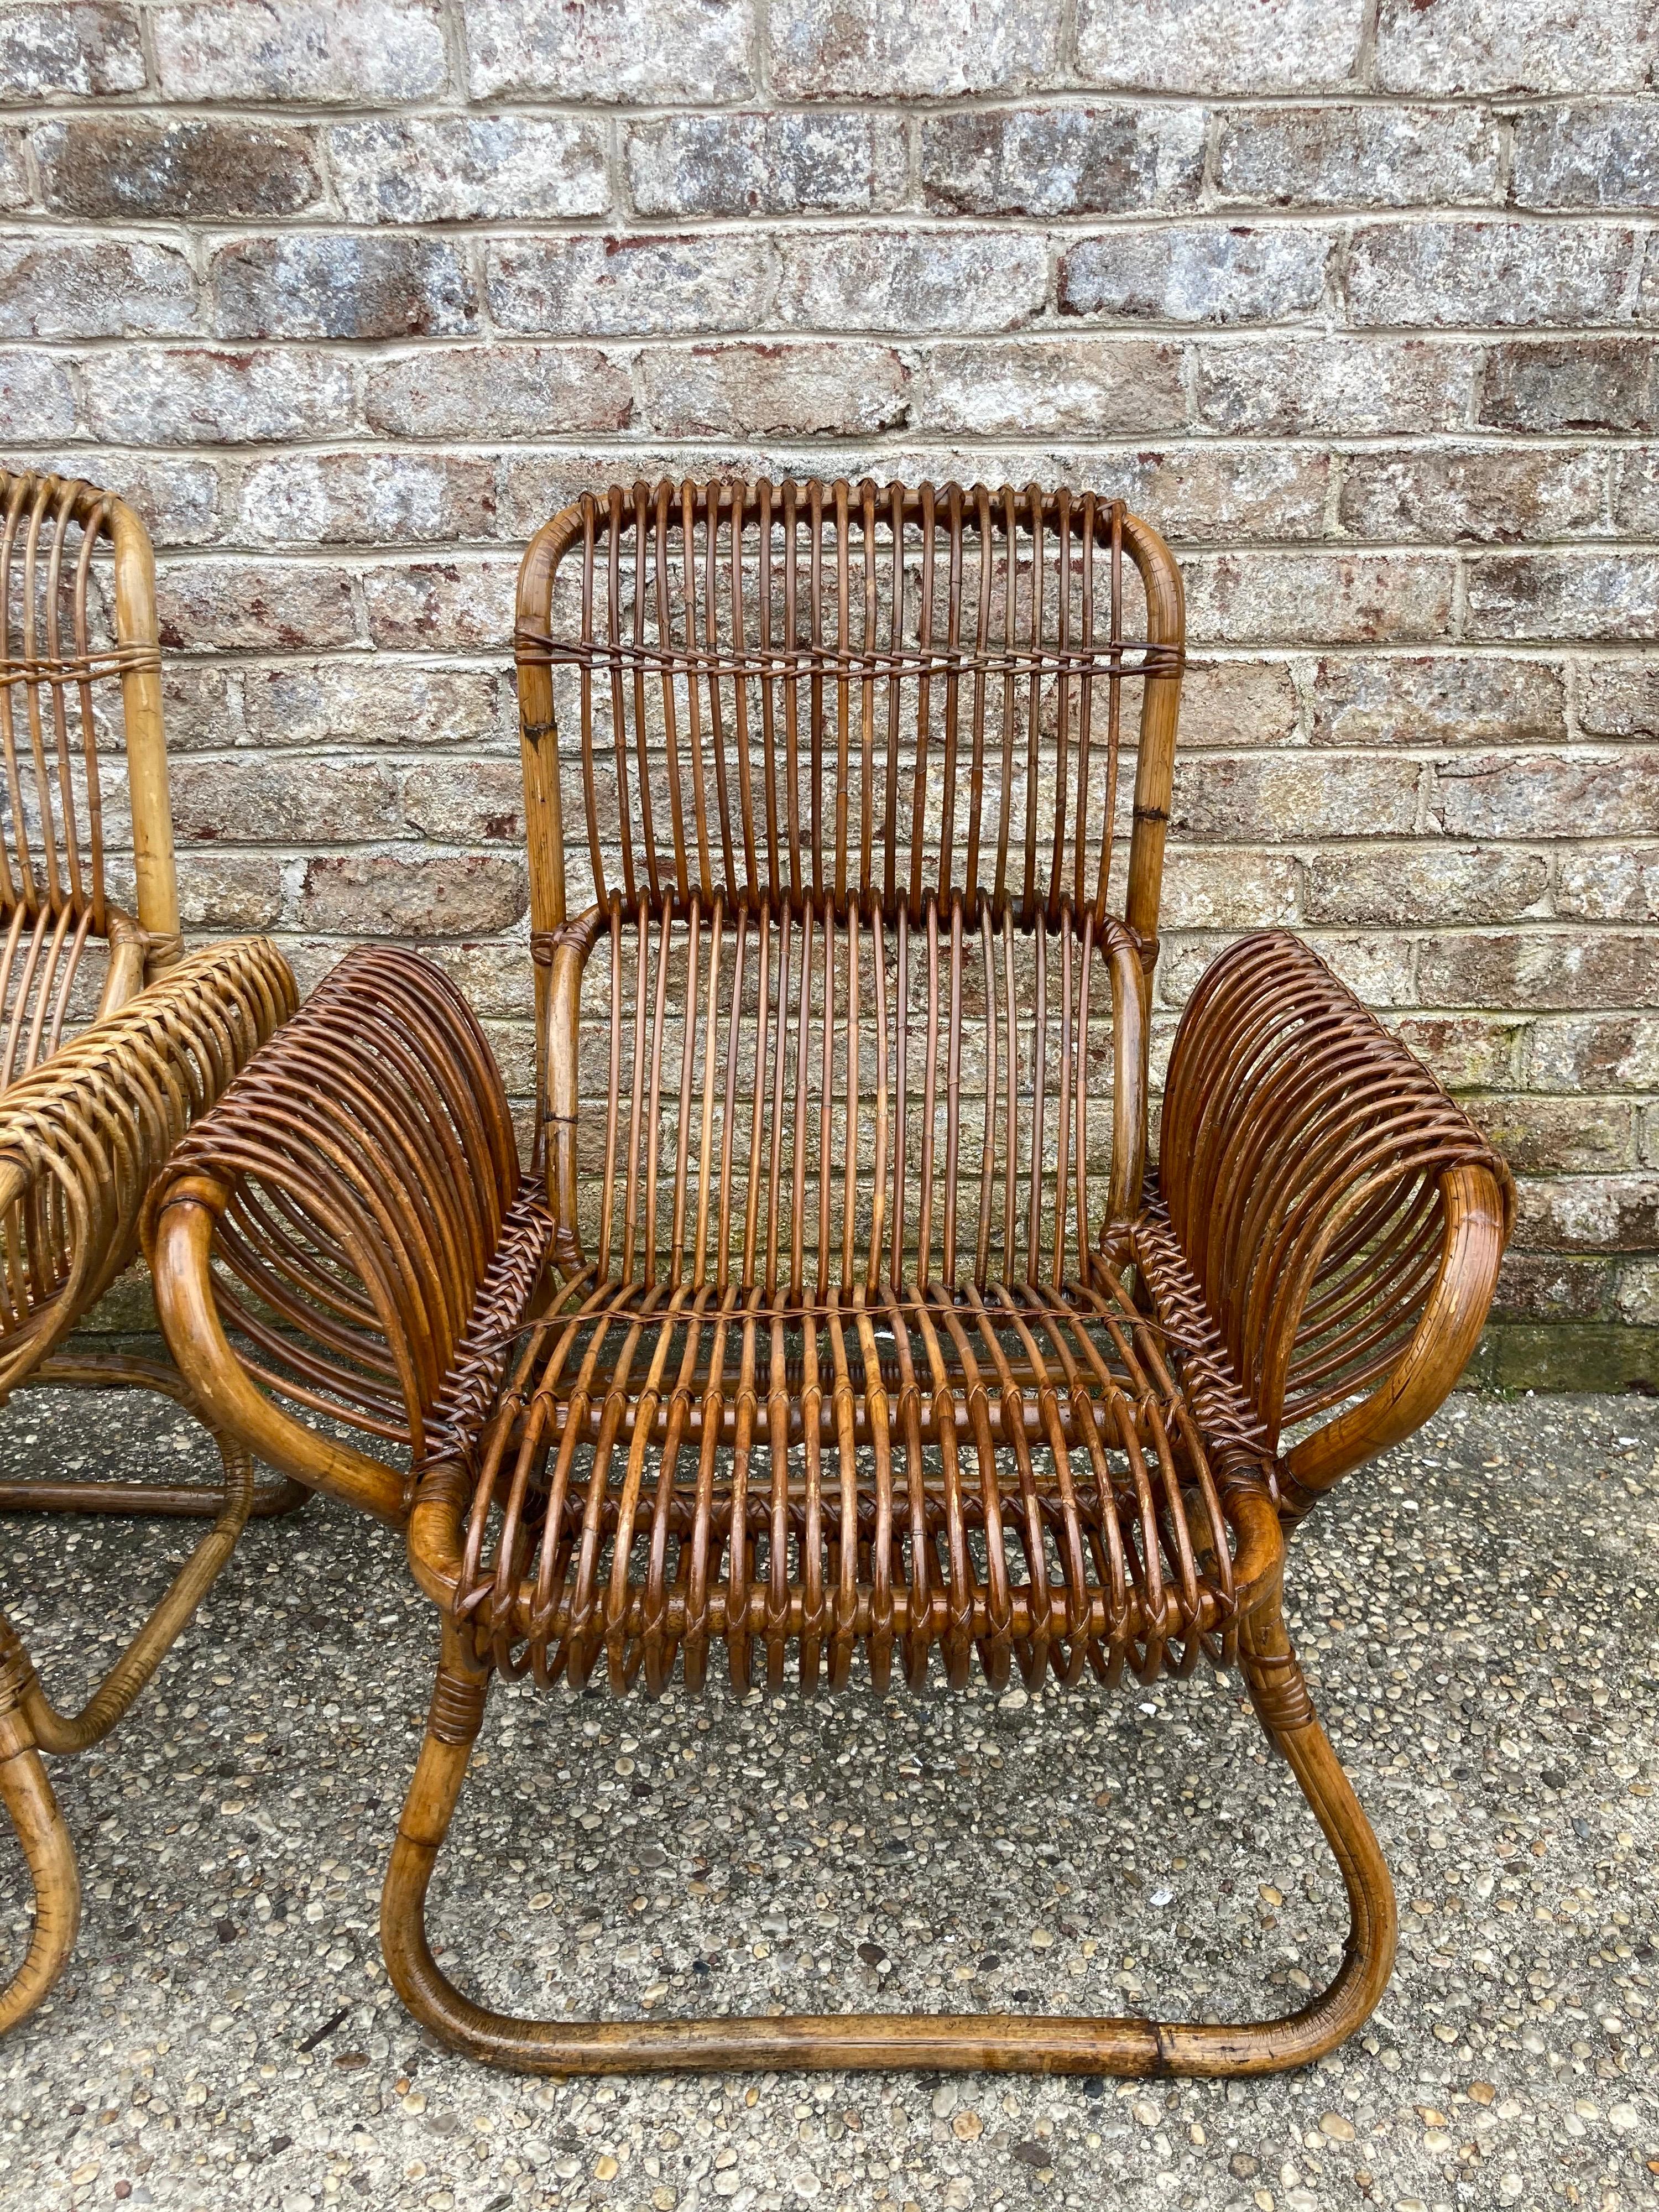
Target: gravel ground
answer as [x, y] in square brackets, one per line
[1478, 1614]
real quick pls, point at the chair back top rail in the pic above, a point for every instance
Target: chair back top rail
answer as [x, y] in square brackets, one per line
[846, 695]
[62, 652]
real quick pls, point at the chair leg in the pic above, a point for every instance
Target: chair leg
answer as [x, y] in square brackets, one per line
[30, 1724]
[50, 1857]
[102, 1370]
[898, 2041]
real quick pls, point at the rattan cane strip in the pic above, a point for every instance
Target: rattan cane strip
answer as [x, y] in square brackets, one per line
[81, 1137]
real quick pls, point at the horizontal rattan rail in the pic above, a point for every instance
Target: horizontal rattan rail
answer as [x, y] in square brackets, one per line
[837, 1329]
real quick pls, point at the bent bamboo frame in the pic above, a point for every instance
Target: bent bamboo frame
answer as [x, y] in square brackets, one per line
[851, 1343]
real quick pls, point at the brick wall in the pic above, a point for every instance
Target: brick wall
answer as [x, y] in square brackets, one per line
[1354, 300]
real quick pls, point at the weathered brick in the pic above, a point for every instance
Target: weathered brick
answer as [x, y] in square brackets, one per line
[1540, 1286]
[1375, 964]
[1468, 1052]
[1227, 889]
[1234, 703]
[1369, 157]
[1482, 493]
[770, 390]
[1595, 1052]
[1197, 272]
[533, 486]
[1394, 885]
[37, 396]
[496, 978]
[70, 49]
[1620, 699]
[1216, 46]
[1571, 794]
[379, 703]
[1515, 45]
[176, 495]
[829, 49]
[200, 706]
[516, 392]
[180, 396]
[1568, 384]
[676, 51]
[1290, 796]
[53, 287]
[1079, 385]
[216, 51]
[16, 190]
[1588, 154]
[1557, 1136]
[442, 606]
[115, 166]
[903, 280]
[1522, 969]
[309, 284]
[229, 892]
[766, 163]
[1587, 1213]
[367, 499]
[254, 799]
[1283, 387]
[1616, 884]
[1446, 700]
[1206, 492]
[466, 802]
[1446, 274]
[1238, 598]
[1565, 595]
[1637, 1294]
[254, 605]
[594, 287]
[1636, 493]
[412, 894]
[1062, 160]
[469, 169]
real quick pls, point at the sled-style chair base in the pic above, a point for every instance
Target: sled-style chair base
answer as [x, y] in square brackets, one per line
[1001, 2043]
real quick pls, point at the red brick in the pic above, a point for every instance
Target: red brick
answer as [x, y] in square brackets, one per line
[1527, 970]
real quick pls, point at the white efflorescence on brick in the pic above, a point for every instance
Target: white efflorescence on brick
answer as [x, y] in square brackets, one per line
[1356, 301]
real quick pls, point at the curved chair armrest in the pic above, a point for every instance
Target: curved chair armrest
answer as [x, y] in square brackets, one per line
[336, 1215]
[82, 1136]
[1453, 1316]
[1343, 1215]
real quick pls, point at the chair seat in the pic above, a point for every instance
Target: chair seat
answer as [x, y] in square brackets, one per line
[1055, 1476]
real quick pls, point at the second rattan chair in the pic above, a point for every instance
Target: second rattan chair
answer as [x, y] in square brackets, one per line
[836, 1322]
[110, 1042]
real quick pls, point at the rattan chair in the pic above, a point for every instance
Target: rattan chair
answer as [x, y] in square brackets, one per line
[110, 1043]
[837, 1319]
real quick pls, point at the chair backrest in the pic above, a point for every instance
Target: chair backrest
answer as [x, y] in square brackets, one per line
[831, 692]
[79, 665]
[852, 752]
